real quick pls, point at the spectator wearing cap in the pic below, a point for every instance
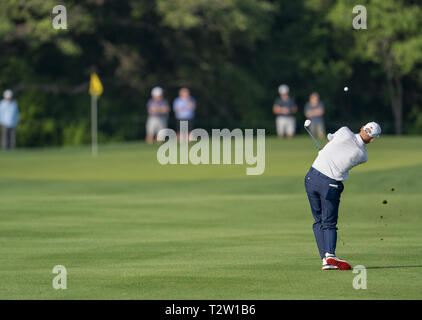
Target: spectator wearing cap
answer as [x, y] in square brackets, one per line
[314, 111]
[9, 118]
[324, 185]
[285, 109]
[158, 110]
[184, 108]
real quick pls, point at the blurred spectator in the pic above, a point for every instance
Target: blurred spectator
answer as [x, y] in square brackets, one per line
[158, 110]
[285, 108]
[314, 111]
[9, 118]
[184, 108]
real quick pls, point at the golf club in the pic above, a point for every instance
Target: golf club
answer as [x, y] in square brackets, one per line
[306, 125]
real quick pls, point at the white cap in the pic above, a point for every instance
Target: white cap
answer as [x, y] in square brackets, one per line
[372, 129]
[157, 91]
[8, 94]
[283, 89]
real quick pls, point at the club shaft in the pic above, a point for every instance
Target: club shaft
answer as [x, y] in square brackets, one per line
[319, 148]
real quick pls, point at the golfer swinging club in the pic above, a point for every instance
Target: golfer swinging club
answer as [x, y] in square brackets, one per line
[324, 185]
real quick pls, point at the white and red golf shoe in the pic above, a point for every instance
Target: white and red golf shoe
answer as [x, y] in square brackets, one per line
[332, 260]
[326, 266]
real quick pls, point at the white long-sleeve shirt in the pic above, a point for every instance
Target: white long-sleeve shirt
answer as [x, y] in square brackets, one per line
[9, 113]
[344, 151]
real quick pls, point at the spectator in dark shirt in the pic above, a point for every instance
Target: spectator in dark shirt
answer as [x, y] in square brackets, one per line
[314, 111]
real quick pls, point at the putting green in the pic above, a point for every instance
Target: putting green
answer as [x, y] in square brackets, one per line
[126, 227]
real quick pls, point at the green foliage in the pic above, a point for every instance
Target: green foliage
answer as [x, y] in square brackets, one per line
[35, 125]
[228, 17]
[232, 54]
[394, 31]
[76, 134]
[414, 124]
[392, 40]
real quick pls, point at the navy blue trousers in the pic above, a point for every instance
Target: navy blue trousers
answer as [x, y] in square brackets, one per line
[324, 197]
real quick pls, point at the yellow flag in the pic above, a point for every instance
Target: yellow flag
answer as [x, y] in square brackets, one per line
[95, 85]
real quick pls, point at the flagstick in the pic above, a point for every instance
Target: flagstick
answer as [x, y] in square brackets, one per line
[94, 126]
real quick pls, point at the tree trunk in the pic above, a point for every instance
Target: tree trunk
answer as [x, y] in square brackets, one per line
[396, 95]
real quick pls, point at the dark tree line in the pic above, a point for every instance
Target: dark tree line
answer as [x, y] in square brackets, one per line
[232, 54]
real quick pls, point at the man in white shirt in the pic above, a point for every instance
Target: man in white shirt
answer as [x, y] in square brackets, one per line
[324, 185]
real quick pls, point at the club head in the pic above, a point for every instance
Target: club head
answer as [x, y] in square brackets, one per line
[307, 123]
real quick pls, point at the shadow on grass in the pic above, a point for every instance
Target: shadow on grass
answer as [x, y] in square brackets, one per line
[394, 267]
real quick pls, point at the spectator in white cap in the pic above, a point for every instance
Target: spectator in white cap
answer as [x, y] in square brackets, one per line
[158, 110]
[324, 185]
[285, 108]
[9, 118]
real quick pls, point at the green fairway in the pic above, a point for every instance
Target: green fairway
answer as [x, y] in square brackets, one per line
[126, 227]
